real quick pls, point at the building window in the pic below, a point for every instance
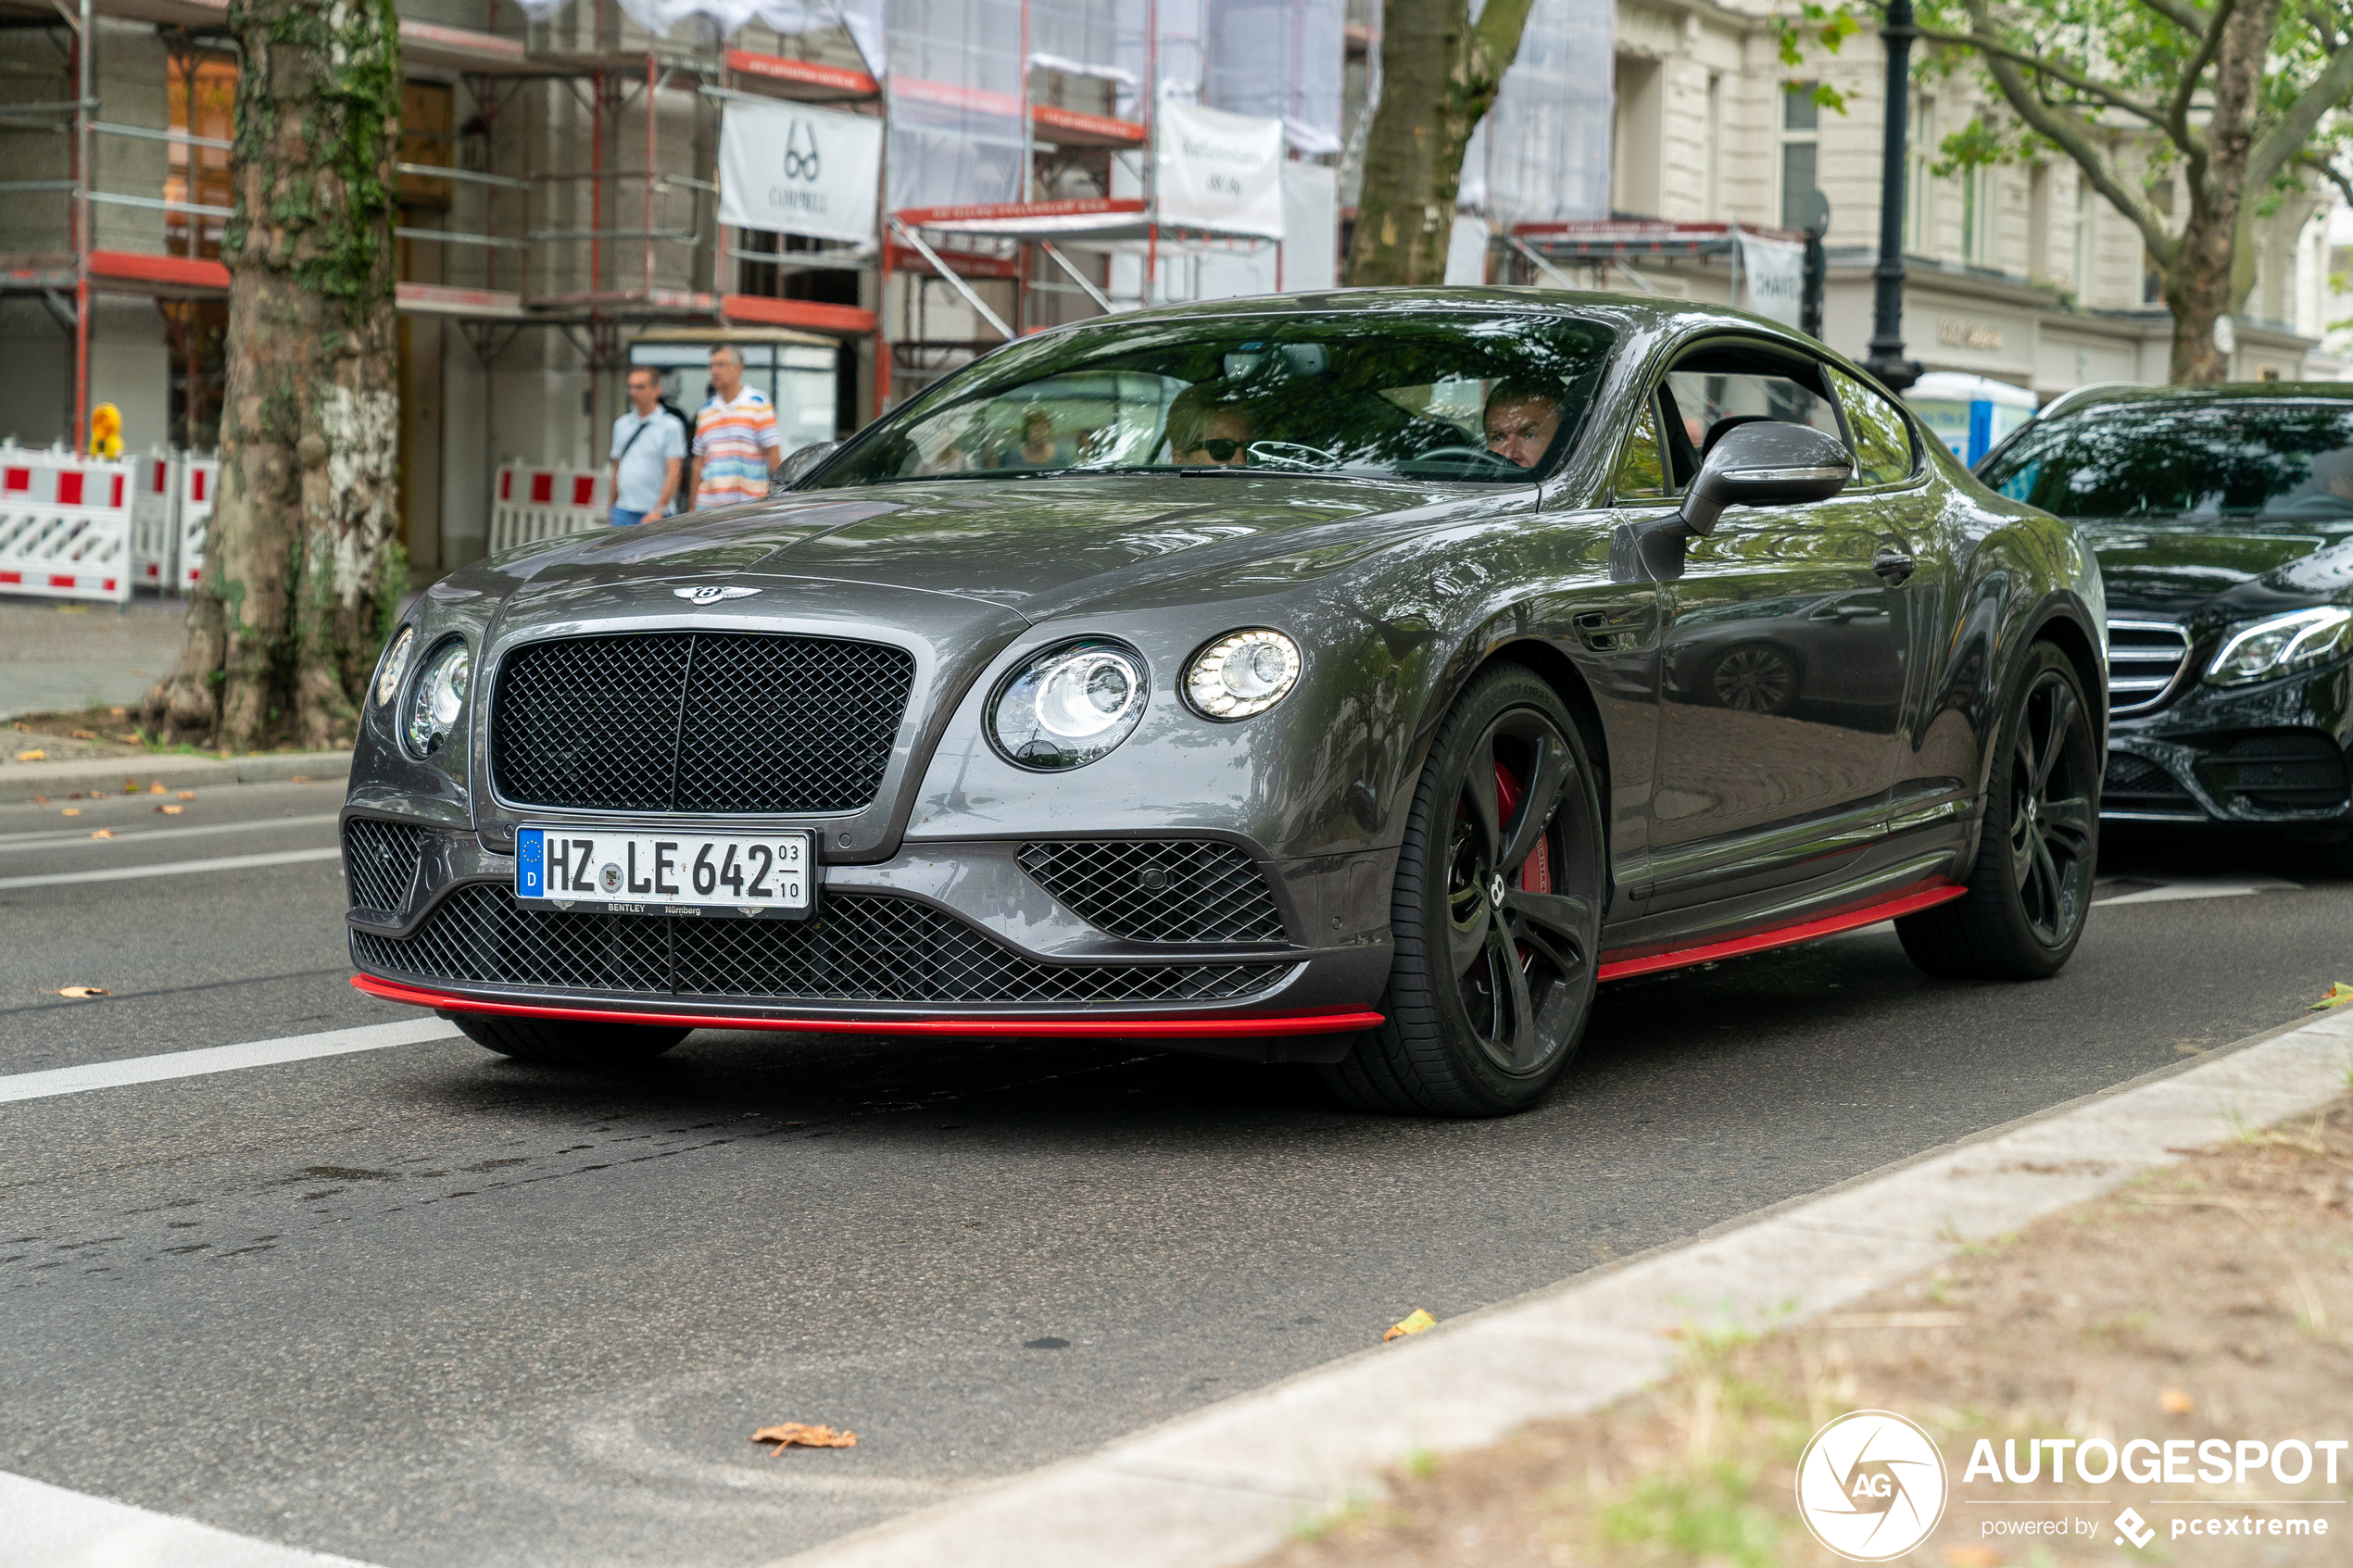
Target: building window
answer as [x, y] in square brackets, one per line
[1801, 145]
[1977, 217]
[2083, 272]
[1711, 186]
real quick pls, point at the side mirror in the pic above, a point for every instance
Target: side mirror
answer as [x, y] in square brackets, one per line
[1765, 463]
[795, 469]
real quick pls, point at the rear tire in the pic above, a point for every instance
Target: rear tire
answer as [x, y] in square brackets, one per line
[1488, 995]
[566, 1044]
[2038, 844]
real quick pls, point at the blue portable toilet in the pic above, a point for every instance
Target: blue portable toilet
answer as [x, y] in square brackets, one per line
[1969, 414]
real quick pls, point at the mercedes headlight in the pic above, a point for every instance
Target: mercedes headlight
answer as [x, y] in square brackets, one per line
[2282, 646]
[394, 664]
[437, 702]
[1242, 674]
[1070, 705]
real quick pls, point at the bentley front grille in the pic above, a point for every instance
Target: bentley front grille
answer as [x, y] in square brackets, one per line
[379, 862]
[2145, 659]
[859, 947]
[1158, 890]
[715, 722]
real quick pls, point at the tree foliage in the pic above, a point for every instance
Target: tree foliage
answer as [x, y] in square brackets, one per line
[1440, 72]
[2240, 101]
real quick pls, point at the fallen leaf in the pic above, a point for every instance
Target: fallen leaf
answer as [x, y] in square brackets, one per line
[83, 991]
[72, 810]
[37, 754]
[1971, 1557]
[800, 1435]
[75, 796]
[119, 712]
[130, 786]
[41, 800]
[187, 794]
[2339, 994]
[172, 810]
[103, 832]
[300, 778]
[2172, 1402]
[1415, 1322]
[134, 740]
[85, 735]
[155, 789]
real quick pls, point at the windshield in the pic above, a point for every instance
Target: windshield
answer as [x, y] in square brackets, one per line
[2269, 461]
[1471, 396]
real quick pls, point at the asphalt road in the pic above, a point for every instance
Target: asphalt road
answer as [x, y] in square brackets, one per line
[426, 1306]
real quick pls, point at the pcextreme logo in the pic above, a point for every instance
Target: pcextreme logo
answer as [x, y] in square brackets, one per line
[1871, 1486]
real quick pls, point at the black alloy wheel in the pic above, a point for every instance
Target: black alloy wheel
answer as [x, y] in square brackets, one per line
[1759, 679]
[563, 1043]
[2030, 889]
[1496, 913]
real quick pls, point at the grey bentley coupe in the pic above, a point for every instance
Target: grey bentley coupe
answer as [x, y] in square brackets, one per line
[1356, 678]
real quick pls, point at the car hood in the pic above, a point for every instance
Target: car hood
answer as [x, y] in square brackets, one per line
[2182, 567]
[1038, 549]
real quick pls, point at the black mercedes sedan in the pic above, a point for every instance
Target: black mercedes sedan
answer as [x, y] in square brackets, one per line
[1356, 678]
[2223, 520]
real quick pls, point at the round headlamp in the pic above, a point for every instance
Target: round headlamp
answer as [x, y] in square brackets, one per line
[1069, 705]
[1242, 674]
[394, 664]
[438, 701]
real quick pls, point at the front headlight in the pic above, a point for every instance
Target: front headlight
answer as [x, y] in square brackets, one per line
[1069, 705]
[1242, 674]
[2282, 646]
[438, 700]
[395, 664]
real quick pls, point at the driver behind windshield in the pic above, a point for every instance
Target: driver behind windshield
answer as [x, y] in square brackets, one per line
[1207, 429]
[1521, 420]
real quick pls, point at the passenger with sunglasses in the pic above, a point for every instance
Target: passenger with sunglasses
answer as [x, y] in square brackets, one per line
[1207, 429]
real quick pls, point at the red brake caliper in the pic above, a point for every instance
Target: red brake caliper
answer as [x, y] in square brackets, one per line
[1535, 872]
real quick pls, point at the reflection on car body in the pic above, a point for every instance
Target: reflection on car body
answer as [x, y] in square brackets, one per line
[1357, 679]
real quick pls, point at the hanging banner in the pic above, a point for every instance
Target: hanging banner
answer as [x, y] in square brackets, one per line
[787, 168]
[1219, 173]
[1775, 271]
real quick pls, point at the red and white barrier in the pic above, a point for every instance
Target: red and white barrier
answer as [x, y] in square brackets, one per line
[154, 505]
[199, 481]
[529, 502]
[65, 525]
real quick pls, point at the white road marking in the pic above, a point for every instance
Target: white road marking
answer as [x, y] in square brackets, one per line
[51, 1528]
[2203, 887]
[141, 836]
[174, 867]
[220, 1058]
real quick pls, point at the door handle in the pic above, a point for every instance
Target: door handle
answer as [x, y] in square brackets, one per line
[1893, 566]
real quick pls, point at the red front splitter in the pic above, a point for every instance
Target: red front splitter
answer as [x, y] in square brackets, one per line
[1333, 1022]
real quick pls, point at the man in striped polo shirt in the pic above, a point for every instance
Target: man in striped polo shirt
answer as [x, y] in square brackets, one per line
[736, 446]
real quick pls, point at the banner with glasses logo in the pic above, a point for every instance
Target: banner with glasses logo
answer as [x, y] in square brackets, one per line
[788, 169]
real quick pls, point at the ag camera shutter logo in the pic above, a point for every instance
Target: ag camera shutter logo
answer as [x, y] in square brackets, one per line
[1871, 1486]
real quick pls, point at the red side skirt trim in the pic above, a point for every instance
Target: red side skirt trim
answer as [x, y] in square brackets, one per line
[1336, 1021]
[1780, 936]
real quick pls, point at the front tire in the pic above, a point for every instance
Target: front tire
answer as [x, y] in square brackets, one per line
[2030, 889]
[565, 1043]
[1495, 913]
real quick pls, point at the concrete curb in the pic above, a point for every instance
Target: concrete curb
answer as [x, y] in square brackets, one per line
[1229, 1484]
[25, 780]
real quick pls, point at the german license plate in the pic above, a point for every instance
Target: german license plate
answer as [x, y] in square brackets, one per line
[747, 875]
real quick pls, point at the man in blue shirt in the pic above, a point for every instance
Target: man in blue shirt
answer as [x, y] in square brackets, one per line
[649, 452]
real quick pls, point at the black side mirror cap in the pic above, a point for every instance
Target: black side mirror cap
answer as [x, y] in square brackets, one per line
[1764, 463]
[798, 467]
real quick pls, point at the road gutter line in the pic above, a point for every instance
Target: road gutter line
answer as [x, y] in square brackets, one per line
[51, 1528]
[174, 868]
[1230, 1483]
[220, 1058]
[18, 841]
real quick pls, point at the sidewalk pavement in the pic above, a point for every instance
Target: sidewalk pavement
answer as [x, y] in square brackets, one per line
[68, 655]
[1227, 1484]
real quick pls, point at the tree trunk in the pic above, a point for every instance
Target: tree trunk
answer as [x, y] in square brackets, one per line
[2210, 270]
[1440, 72]
[302, 573]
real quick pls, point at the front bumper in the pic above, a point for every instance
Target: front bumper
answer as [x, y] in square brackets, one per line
[957, 938]
[2274, 754]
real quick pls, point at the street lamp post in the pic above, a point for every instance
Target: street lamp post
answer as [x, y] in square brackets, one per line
[1887, 362]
